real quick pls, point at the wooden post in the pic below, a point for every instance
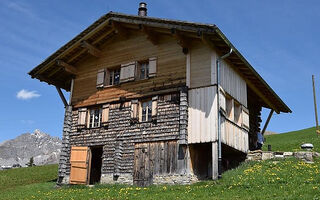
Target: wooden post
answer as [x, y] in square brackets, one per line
[315, 106]
[267, 122]
[215, 160]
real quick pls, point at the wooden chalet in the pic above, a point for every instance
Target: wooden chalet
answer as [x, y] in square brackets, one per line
[154, 101]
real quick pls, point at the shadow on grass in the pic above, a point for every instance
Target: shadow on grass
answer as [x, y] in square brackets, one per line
[53, 180]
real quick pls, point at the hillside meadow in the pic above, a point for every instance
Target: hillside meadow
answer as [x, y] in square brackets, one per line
[271, 179]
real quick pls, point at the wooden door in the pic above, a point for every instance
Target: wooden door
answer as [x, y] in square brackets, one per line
[141, 175]
[80, 165]
[154, 158]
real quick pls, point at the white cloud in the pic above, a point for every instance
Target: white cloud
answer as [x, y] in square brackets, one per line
[18, 7]
[25, 94]
[27, 121]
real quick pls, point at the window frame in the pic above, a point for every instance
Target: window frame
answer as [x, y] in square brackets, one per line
[111, 78]
[91, 120]
[229, 107]
[148, 110]
[139, 69]
[237, 111]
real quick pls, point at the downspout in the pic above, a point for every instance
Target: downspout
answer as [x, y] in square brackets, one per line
[219, 115]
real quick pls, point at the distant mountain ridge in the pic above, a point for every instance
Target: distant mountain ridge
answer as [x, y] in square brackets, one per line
[41, 146]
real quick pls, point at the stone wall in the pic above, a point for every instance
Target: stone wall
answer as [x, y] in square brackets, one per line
[171, 179]
[258, 155]
[64, 163]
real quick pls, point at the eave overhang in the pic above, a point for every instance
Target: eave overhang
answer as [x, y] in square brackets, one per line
[108, 26]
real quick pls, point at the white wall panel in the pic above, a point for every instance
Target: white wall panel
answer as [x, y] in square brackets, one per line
[202, 120]
[233, 83]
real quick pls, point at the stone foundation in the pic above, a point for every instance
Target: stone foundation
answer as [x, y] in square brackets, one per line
[258, 155]
[65, 180]
[121, 179]
[171, 179]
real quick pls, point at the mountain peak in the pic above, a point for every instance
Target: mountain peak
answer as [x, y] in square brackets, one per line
[37, 133]
[39, 145]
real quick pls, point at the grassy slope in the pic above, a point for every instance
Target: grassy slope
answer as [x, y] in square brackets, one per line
[289, 179]
[291, 141]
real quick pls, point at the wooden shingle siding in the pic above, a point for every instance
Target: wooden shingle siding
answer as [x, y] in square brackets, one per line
[170, 70]
[202, 120]
[200, 65]
[122, 130]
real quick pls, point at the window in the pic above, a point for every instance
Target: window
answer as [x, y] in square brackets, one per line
[229, 107]
[143, 70]
[95, 118]
[146, 111]
[237, 113]
[114, 76]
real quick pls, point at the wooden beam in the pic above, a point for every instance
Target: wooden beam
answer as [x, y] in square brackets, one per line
[181, 40]
[151, 35]
[91, 49]
[315, 105]
[64, 101]
[120, 30]
[73, 46]
[54, 71]
[67, 67]
[267, 122]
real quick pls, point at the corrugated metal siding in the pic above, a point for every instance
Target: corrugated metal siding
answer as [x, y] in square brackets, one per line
[202, 118]
[233, 84]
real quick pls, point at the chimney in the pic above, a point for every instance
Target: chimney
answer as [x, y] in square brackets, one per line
[142, 9]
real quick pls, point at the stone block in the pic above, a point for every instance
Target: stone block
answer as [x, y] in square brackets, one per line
[287, 154]
[304, 155]
[267, 155]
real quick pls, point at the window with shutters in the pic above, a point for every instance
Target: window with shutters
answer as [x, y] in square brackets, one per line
[114, 76]
[146, 68]
[95, 117]
[143, 70]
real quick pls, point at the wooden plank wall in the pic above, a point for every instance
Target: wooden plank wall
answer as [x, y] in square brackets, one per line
[200, 65]
[202, 119]
[234, 136]
[233, 84]
[153, 158]
[171, 69]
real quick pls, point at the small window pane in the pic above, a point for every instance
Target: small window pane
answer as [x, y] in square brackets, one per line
[146, 111]
[111, 78]
[95, 118]
[116, 76]
[142, 71]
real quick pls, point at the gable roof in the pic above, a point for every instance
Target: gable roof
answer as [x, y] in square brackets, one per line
[108, 25]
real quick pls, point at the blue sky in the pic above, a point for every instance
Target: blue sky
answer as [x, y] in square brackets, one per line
[279, 38]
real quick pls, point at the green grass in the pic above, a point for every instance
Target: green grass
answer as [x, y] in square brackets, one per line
[291, 141]
[13, 178]
[287, 179]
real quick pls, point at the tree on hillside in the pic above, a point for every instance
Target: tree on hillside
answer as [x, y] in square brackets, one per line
[30, 164]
